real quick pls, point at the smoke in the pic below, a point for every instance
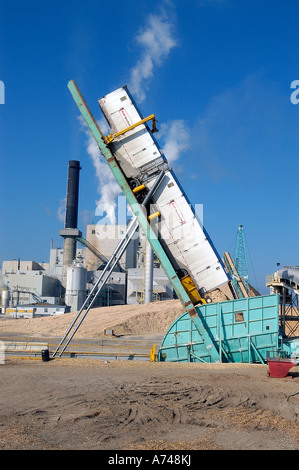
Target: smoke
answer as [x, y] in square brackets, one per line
[176, 137]
[157, 40]
[108, 188]
[61, 210]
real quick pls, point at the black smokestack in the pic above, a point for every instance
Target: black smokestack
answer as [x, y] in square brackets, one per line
[72, 195]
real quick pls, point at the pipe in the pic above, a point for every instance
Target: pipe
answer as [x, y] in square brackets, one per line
[153, 216]
[149, 273]
[139, 188]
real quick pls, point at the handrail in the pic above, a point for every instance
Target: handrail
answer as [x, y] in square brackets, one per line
[87, 347]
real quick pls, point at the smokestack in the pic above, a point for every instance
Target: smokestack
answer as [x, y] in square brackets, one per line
[70, 231]
[149, 273]
[72, 195]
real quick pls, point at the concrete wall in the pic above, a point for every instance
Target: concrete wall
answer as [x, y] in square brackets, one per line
[18, 265]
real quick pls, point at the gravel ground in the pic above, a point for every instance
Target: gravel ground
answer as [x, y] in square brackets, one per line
[69, 404]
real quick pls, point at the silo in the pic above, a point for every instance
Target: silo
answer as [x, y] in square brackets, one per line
[76, 285]
[5, 296]
[149, 273]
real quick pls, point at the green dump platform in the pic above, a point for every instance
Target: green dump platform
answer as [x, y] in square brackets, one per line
[242, 330]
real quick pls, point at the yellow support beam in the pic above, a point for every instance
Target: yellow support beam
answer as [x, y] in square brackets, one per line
[191, 290]
[152, 118]
[153, 216]
[139, 188]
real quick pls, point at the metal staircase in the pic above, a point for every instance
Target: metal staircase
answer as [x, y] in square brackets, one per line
[93, 249]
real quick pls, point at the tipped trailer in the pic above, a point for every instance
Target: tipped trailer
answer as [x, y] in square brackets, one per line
[181, 233]
[240, 330]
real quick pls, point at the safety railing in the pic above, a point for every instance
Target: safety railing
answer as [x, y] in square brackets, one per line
[23, 347]
[84, 348]
[272, 278]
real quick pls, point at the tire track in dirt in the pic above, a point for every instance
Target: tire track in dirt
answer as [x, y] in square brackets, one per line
[146, 406]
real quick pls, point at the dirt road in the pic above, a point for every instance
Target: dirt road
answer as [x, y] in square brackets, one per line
[87, 404]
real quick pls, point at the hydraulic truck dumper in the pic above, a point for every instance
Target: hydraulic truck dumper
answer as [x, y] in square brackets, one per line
[239, 330]
[180, 232]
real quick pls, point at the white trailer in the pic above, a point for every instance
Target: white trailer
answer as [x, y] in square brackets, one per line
[181, 233]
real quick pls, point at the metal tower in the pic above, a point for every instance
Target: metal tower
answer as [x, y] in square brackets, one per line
[240, 258]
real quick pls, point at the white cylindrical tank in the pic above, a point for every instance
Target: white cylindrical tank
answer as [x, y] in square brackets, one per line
[75, 285]
[149, 273]
[76, 279]
[5, 296]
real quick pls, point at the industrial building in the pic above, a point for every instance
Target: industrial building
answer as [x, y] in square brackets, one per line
[29, 285]
[36, 310]
[44, 288]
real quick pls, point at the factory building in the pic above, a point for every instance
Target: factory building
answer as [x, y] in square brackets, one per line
[125, 285]
[161, 290]
[146, 280]
[31, 285]
[36, 310]
[30, 288]
[18, 265]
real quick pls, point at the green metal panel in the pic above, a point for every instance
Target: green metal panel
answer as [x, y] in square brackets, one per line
[290, 347]
[208, 343]
[243, 330]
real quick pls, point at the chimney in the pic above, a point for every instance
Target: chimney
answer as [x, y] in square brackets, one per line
[70, 231]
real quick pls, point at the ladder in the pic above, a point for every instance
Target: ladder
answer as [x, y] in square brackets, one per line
[104, 276]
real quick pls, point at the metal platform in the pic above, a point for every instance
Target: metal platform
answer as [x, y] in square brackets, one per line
[285, 282]
[242, 330]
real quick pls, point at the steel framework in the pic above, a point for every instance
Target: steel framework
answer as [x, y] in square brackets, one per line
[240, 261]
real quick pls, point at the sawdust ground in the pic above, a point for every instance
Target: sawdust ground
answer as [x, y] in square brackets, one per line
[81, 404]
[69, 404]
[155, 317]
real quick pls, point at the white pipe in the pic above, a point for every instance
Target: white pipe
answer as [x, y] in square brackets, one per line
[149, 273]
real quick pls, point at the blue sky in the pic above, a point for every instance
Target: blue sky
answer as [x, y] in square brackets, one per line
[216, 73]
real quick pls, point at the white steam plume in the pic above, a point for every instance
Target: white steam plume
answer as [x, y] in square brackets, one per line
[61, 210]
[176, 138]
[157, 40]
[107, 187]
